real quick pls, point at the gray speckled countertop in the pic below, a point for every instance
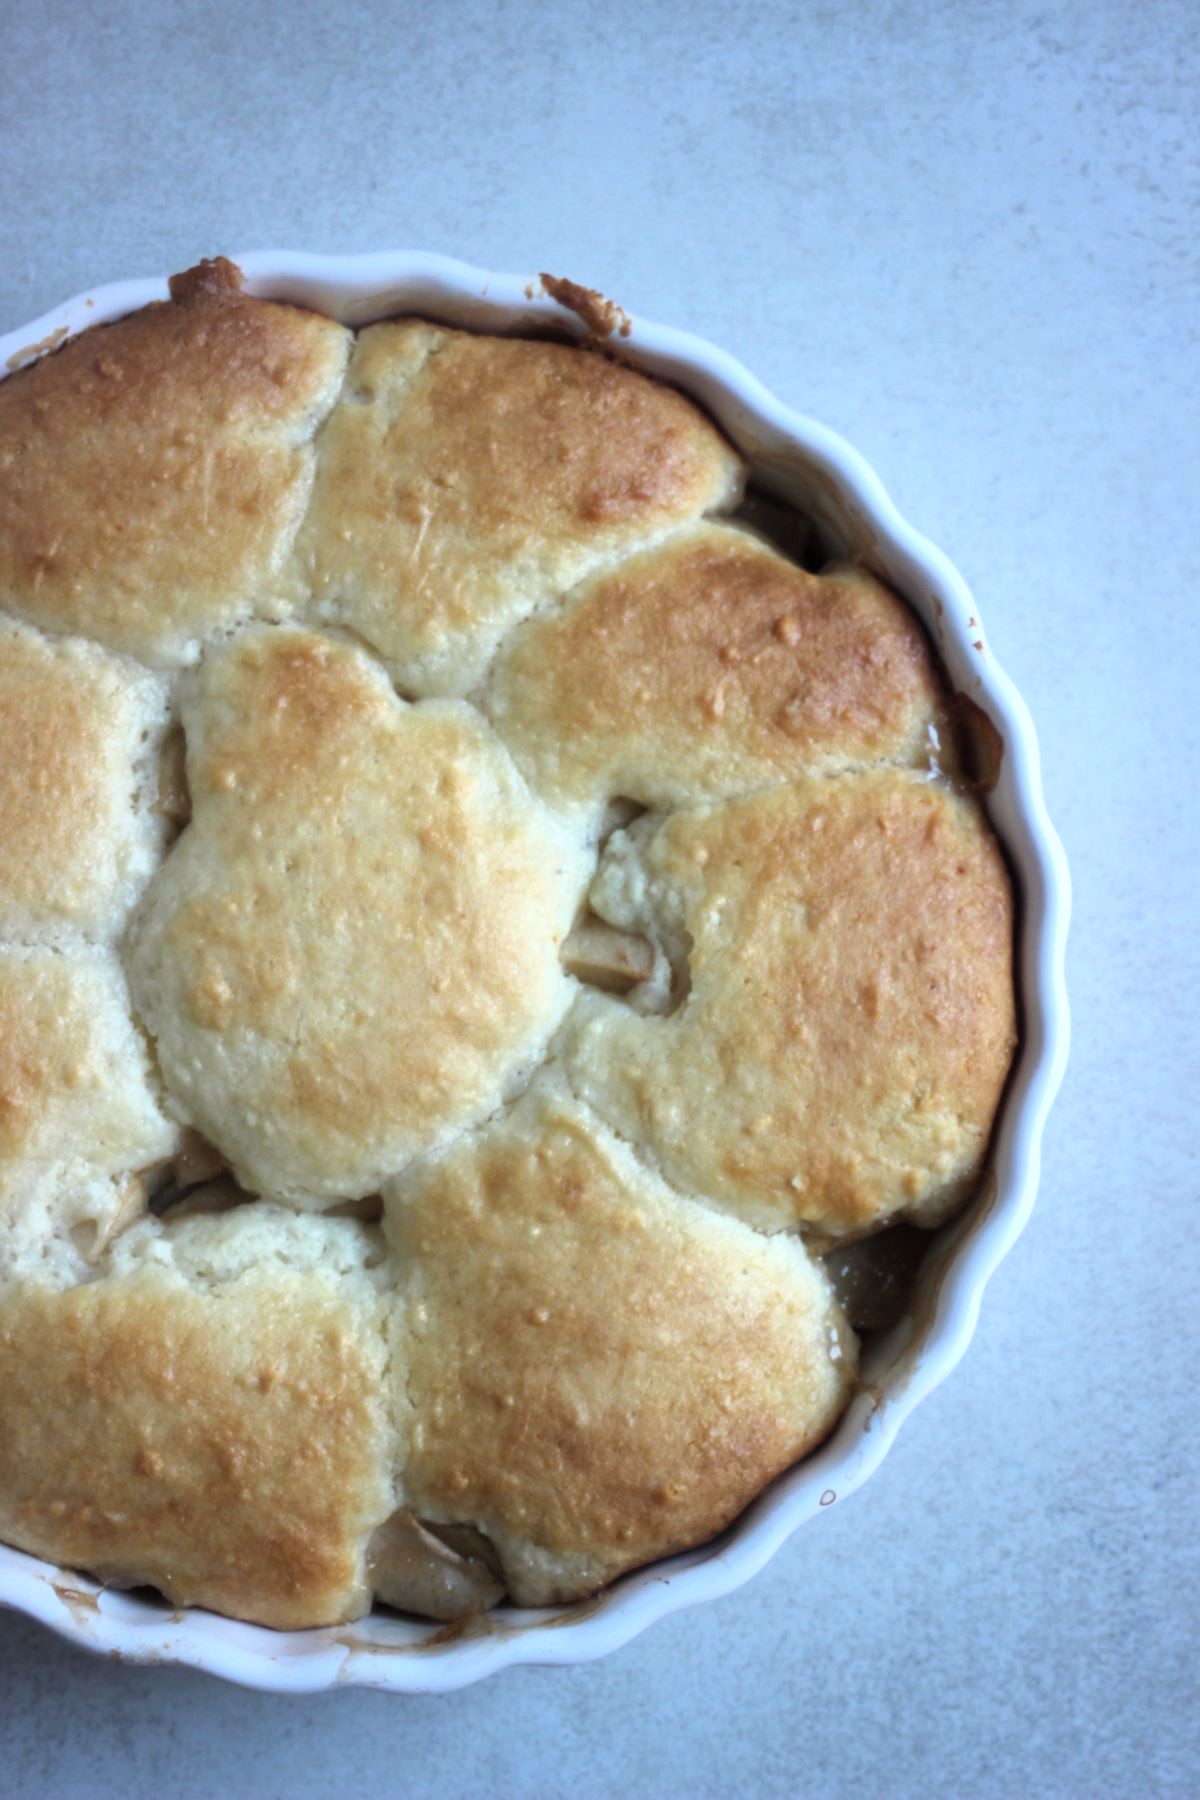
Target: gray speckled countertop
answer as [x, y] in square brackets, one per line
[966, 237]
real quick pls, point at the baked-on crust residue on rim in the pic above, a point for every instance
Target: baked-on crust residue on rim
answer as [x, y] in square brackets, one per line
[566, 920]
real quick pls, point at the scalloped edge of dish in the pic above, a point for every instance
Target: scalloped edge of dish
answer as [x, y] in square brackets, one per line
[806, 462]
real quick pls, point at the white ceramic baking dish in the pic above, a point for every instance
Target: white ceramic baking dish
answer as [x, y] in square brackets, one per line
[812, 467]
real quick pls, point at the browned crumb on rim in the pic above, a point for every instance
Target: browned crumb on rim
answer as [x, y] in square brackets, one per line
[216, 278]
[981, 745]
[30, 352]
[602, 317]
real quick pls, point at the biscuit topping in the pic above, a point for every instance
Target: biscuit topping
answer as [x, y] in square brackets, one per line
[352, 952]
[474, 930]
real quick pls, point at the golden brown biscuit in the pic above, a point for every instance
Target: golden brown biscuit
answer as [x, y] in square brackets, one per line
[838, 1057]
[153, 472]
[599, 1371]
[352, 952]
[80, 732]
[219, 1432]
[462, 481]
[709, 666]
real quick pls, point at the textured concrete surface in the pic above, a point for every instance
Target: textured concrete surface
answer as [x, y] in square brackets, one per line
[965, 236]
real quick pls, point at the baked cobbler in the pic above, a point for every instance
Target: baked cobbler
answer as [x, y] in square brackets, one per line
[482, 930]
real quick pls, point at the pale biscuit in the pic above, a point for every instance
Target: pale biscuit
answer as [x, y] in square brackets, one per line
[463, 481]
[352, 952]
[80, 733]
[599, 1372]
[709, 666]
[79, 1116]
[847, 1013]
[58, 1218]
[153, 472]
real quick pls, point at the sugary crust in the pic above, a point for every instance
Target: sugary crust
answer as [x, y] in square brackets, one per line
[353, 951]
[600, 1372]
[153, 472]
[708, 666]
[230, 1448]
[850, 1019]
[462, 481]
[80, 732]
